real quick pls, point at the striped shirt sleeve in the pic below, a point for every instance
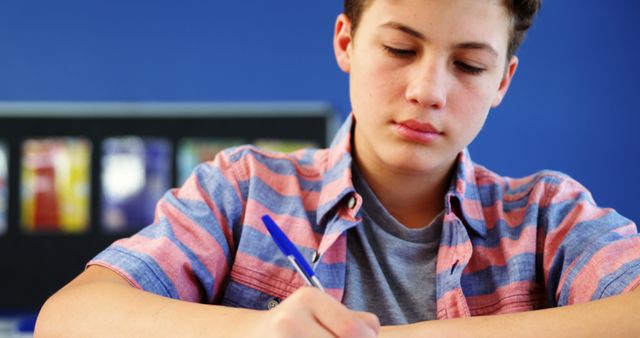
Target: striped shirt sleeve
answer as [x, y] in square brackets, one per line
[187, 252]
[589, 252]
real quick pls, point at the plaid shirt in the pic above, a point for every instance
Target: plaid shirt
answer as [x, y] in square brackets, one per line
[507, 244]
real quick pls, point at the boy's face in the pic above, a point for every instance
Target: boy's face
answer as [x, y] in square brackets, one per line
[423, 76]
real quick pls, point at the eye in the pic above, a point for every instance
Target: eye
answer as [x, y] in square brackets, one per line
[466, 68]
[398, 52]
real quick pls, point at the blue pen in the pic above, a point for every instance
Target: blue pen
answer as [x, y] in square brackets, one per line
[290, 251]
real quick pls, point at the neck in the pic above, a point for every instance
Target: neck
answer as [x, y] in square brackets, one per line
[413, 199]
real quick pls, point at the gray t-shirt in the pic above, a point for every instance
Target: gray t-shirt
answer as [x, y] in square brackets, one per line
[390, 268]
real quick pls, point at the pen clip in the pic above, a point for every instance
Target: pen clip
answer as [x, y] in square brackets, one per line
[290, 251]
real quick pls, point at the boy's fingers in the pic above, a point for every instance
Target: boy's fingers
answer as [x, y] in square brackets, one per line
[338, 319]
[343, 322]
[370, 319]
[298, 324]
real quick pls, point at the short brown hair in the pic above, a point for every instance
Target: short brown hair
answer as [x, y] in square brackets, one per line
[522, 15]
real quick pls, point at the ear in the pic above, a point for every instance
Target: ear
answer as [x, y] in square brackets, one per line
[506, 81]
[342, 42]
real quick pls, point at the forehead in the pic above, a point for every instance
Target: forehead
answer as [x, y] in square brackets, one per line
[461, 20]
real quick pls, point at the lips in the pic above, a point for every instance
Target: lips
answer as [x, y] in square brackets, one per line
[419, 126]
[417, 131]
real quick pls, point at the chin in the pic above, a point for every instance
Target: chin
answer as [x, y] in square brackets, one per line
[412, 164]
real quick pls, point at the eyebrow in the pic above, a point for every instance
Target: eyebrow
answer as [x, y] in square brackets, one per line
[405, 29]
[477, 45]
[464, 45]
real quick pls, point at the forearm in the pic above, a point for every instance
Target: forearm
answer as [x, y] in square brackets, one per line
[109, 308]
[612, 317]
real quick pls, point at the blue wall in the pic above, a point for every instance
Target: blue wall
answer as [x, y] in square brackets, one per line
[572, 106]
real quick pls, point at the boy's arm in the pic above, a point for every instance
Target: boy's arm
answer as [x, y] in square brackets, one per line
[101, 303]
[616, 316]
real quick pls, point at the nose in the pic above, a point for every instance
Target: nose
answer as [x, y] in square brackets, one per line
[427, 84]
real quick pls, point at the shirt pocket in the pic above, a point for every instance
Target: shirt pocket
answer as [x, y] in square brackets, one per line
[255, 289]
[242, 296]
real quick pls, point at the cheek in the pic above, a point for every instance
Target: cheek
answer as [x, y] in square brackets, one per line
[477, 95]
[469, 108]
[377, 79]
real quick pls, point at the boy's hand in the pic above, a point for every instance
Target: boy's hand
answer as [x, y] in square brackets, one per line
[309, 312]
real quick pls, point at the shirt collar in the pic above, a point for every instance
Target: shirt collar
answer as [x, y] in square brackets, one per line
[337, 181]
[462, 199]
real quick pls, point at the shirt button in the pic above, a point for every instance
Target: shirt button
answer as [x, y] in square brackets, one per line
[272, 303]
[352, 202]
[315, 257]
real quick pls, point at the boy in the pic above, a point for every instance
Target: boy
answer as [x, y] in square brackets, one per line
[400, 225]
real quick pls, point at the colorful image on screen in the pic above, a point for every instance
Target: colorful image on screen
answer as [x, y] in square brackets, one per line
[136, 172]
[193, 151]
[284, 146]
[55, 185]
[4, 188]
